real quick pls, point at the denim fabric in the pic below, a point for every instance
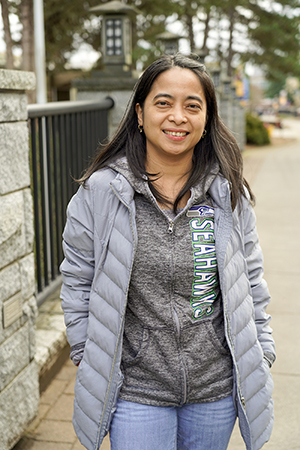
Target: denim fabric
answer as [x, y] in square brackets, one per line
[194, 426]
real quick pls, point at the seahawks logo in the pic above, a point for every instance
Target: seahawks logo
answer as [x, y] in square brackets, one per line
[200, 211]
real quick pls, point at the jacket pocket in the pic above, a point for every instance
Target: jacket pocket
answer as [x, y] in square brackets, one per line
[133, 350]
[208, 362]
[218, 345]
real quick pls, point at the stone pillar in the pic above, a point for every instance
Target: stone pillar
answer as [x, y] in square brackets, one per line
[100, 86]
[19, 385]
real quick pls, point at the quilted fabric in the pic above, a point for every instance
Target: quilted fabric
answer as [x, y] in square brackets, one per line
[99, 243]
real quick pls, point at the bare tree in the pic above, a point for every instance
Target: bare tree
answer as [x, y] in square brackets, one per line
[26, 18]
[230, 54]
[7, 35]
[206, 30]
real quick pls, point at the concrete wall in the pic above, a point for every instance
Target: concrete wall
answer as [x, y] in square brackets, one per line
[19, 385]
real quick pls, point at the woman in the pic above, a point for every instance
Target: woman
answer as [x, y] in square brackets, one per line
[163, 293]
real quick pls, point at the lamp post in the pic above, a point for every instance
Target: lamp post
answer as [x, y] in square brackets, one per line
[39, 44]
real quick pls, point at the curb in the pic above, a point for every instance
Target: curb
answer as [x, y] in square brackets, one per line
[52, 348]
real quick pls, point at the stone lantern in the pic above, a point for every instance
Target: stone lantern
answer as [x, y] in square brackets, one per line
[227, 83]
[116, 79]
[116, 35]
[170, 42]
[215, 71]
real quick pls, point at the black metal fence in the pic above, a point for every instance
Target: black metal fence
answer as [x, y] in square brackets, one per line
[63, 138]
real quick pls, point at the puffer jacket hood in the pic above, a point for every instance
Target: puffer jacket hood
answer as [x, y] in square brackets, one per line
[140, 185]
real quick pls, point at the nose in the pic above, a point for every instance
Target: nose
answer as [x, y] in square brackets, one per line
[178, 115]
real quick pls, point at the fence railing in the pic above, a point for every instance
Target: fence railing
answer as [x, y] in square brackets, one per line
[63, 138]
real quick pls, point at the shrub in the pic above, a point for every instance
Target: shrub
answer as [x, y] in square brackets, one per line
[256, 133]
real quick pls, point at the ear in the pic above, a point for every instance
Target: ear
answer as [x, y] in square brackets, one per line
[139, 113]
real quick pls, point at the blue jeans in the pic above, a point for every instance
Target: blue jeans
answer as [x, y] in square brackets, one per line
[195, 426]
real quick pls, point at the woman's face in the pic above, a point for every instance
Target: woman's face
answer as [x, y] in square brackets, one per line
[174, 114]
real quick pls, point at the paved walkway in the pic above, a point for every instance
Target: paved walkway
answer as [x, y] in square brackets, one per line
[276, 183]
[274, 174]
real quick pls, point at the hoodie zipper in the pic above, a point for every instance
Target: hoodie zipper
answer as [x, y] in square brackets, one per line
[184, 395]
[171, 226]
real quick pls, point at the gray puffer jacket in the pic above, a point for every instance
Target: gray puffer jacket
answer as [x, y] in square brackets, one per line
[99, 244]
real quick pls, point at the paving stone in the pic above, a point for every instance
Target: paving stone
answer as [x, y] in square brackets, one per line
[55, 431]
[62, 409]
[70, 387]
[68, 371]
[78, 446]
[54, 390]
[43, 409]
[105, 444]
[29, 444]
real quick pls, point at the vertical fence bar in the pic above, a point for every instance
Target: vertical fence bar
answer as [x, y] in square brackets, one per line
[85, 137]
[35, 171]
[68, 155]
[62, 150]
[79, 146]
[73, 154]
[43, 200]
[50, 240]
[57, 192]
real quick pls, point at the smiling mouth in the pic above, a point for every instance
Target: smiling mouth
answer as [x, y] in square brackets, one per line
[176, 133]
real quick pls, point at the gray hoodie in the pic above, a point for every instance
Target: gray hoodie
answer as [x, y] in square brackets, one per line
[174, 346]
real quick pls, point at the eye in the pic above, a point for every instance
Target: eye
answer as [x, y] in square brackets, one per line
[194, 106]
[162, 103]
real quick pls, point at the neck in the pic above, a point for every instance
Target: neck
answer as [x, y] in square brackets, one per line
[173, 169]
[172, 177]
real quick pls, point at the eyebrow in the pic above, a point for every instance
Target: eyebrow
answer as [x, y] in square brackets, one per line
[190, 97]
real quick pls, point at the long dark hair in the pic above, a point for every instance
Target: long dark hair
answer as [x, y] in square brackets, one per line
[218, 146]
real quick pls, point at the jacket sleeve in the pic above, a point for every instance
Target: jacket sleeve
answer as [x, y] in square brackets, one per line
[77, 268]
[260, 291]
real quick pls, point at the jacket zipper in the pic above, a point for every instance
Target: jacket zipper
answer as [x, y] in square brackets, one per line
[242, 399]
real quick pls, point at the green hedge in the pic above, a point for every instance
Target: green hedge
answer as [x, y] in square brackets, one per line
[256, 133]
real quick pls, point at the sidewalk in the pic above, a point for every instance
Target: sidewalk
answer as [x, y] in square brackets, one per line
[274, 174]
[276, 183]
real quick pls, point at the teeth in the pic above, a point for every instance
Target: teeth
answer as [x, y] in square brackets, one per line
[176, 133]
